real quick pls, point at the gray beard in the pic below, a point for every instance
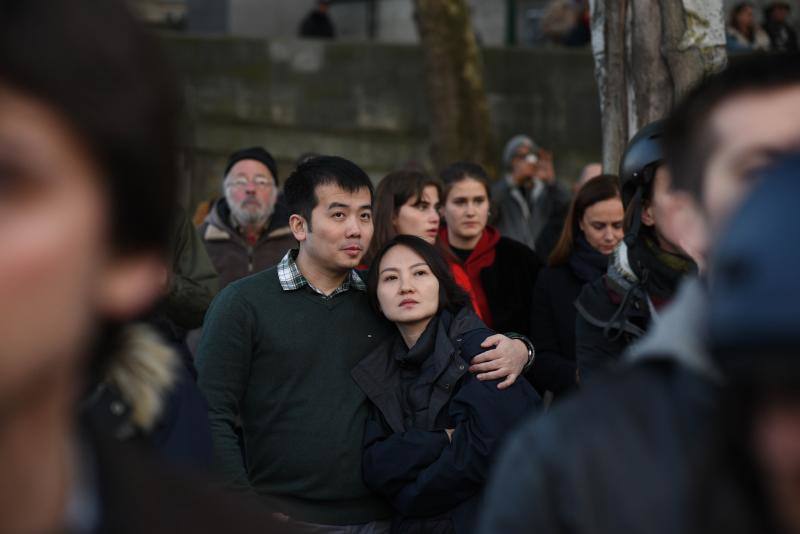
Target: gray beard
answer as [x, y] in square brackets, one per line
[250, 218]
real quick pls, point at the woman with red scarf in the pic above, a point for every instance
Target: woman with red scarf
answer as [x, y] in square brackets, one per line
[498, 273]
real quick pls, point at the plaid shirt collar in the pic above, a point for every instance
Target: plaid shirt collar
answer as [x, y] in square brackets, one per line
[292, 279]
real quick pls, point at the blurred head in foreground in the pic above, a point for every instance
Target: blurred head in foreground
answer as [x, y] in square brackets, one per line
[86, 184]
[727, 128]
[755, 333]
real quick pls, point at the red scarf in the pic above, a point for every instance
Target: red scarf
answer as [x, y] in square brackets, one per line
[468, 274]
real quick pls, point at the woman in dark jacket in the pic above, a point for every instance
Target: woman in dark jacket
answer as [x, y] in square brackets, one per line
[434, 427]
[593, 230]
[498, 273]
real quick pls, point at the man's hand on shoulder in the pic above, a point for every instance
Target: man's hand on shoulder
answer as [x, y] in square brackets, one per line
[505, 360]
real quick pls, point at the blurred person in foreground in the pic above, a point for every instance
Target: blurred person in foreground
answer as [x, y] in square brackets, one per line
[87, 188]
[627, 452]
[247, 231]
[749, 482]
[530, 204]
[148, 394]
[592, 231]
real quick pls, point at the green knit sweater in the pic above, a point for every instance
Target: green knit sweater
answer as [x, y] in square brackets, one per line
[282, 360]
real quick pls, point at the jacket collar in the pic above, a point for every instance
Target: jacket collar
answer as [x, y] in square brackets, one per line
[680, 334]
[378, 373]
[141, 374]
[220, 229]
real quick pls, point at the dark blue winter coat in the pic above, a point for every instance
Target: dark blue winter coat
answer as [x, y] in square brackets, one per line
[432, 482]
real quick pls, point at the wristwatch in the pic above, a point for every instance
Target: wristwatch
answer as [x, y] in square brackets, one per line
[531, 349]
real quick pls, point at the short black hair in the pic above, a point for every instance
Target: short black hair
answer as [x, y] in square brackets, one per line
[689, 140]
[451, 296]
[300, 190]
[96, 66]
[461, 170]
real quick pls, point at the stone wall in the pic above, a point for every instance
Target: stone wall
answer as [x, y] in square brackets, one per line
[365, 102]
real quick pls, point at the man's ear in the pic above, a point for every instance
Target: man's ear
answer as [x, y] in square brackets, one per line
[647, 214]
[298, 226]
[130, 285]
[687, 226]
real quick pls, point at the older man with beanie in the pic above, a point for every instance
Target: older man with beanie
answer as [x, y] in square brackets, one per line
[246, 231]
[530, 204]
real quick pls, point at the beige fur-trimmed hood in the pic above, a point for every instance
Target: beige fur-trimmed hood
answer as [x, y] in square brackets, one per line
[143, 371]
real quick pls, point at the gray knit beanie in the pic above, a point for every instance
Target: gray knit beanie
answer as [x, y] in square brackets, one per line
[514, 144]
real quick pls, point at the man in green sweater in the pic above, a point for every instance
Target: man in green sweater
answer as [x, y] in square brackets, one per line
[277, 351]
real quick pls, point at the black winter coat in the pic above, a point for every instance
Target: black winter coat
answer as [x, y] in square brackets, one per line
[553, 329]
[136, 494]
[509, 284]
[182, 435]
[616, 309]
[622, 456]
[434, 483]
[598, 350]
[553, 318]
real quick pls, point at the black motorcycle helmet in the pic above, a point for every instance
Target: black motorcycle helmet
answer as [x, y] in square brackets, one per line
[637, 169]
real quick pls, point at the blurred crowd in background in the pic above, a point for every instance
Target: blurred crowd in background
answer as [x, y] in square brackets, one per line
[756, 25]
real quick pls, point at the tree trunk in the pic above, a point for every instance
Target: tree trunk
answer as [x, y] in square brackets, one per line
[608, 43]
[648, 54]
[459, 110]
[652, 98]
